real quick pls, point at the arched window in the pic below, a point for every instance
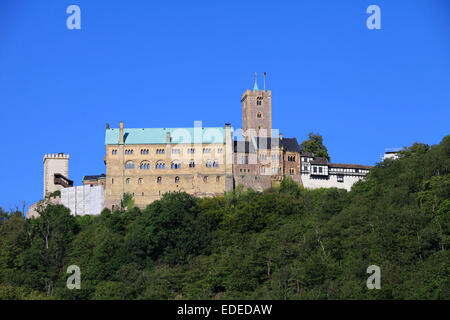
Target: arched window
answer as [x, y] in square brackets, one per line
[259, 115]
[141, 181]
[208, 164]
[177, 179]
[159, 180]
[127, 181]
[129, 165]
[176, 165]
[192, 164]
[160, 165]
[216, 164]
[145, 165]
[205, 179]
[218, 179]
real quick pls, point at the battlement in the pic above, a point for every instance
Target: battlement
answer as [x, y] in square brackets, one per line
[56, 156]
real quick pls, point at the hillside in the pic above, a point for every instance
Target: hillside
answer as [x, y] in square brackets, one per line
[284, 243]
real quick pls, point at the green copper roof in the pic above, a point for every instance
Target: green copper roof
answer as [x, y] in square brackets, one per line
[159, 135]
[255, 87]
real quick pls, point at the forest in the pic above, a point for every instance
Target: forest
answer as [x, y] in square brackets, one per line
[285, 243]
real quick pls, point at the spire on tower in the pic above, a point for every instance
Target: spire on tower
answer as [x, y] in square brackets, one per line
[255, 87]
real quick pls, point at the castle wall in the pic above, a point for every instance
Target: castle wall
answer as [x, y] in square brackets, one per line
[143, 184]
[329, 181]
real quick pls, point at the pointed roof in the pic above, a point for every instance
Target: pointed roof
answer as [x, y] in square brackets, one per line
[255, 87]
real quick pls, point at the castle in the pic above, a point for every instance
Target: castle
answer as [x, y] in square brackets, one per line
[207, 161]
[202, 161]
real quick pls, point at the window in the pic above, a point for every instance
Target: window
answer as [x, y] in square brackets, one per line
[205, 179]
[263, 169]
[129, 151]
[292, 171]
[216, 164]
[158, 180]
[243, 159]
[208, 164]
[218, 179]
[320, 169]
[191, 150]
[315, 169]
[142, 194]
[160, 165]
[144, 151]
[145, 165]
[129, 165]
[206, 150]
[176, 165]
[159, 151]
[291, 158]
[192, 164]
[114, 151]
[177, 179]
[112, 181]
[140, 181]
[259, 115]
[219, 150]
[340, 178]
[127, 181]
[175, 151]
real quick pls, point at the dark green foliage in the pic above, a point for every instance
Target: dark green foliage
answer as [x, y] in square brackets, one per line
[315, 145]
[284, 243]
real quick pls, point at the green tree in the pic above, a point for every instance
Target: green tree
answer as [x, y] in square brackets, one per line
[315, 145]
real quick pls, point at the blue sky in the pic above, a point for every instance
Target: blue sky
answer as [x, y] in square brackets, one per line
[166, 64]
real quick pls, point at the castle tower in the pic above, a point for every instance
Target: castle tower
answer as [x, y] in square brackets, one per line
[54, 164]
[256, 112]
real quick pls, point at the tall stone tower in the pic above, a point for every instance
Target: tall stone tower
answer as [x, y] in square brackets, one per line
[256, 112]
[54, 164]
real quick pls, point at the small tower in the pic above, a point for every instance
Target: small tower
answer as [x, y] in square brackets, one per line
[257, 112]
[55, 164]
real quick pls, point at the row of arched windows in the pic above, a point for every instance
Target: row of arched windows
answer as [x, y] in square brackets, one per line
[145, 165]
[176, 180]
[174, 151]
[158, 180]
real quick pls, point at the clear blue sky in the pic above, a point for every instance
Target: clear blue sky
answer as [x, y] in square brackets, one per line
[168, 63]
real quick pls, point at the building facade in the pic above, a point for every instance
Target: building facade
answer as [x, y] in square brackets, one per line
[56, 172]
[148, 162]
[317, 172]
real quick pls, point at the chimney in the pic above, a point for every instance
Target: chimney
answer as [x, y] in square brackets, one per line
[168, 137]
[107, 126]
[121, 133]
[281, 136]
